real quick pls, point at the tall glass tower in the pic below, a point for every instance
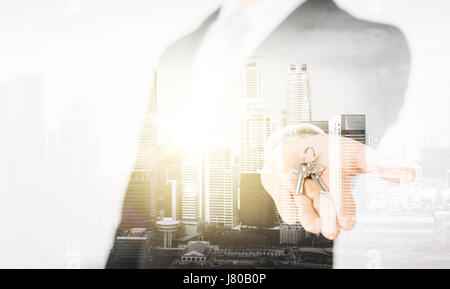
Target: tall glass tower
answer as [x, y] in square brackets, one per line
[221, 186]
[252, 124]
[140, 204]
[350, 126]
[191, 192]
[298, 95]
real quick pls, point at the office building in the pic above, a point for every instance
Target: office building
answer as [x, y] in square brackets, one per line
[253, 119]
[191, 191]
[171, 187]
[351, 126]
[257, 208]
[141, 202]
[298, 95]
[131, 249]
[221, 187]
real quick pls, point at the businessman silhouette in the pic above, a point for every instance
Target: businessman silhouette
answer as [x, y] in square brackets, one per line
[356, 65]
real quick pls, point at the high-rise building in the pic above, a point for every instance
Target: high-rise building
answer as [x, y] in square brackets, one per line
[170, 183]
[274, 121]
[147, 149]
[254, 77]
[252, 138]
[257, 206]
[191, 192]
[221, 187]
[253, 121]
[351, 126]
[136, 206]
[140, 205]
[174, 198]
[298, 95]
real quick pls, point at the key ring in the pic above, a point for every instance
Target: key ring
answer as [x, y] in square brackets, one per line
[311, 170]
[314, 157]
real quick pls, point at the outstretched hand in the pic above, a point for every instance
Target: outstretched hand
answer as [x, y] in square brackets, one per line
[325, 213]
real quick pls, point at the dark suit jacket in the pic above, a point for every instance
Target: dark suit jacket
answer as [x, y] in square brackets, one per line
[357, 66]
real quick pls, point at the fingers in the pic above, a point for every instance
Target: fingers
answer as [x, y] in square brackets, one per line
[317, 212]
[288, 210]
[312, 192]
[345, 207]
[342, 196]
[298, 208]
[320, 215]
[306, 214]
[327, 212]
[284, 200]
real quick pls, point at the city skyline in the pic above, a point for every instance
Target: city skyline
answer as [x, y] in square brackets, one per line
[147, 199]
[350, 128]
[193, 190]
[218, 187]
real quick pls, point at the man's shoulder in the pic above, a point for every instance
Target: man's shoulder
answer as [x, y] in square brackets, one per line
[183, 48]
[340, 23]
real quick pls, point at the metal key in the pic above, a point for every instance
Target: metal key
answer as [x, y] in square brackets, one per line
[302, 170]
[316, 171]
[311, 170]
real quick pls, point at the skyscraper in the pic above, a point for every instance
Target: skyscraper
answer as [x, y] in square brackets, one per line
[298, 95]
[140, 205]
[351, 126]
[257, 206]
[253, 121]
[221, 187]
[274, 121]
[174, 198]
[254, 77]
[191, 191]
[169, 186]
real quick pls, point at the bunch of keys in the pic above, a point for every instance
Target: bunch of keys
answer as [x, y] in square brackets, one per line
[311, 170]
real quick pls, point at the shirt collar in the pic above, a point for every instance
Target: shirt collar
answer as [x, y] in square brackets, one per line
[258, 13]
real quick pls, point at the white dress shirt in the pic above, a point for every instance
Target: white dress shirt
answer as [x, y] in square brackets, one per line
[241, 26]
